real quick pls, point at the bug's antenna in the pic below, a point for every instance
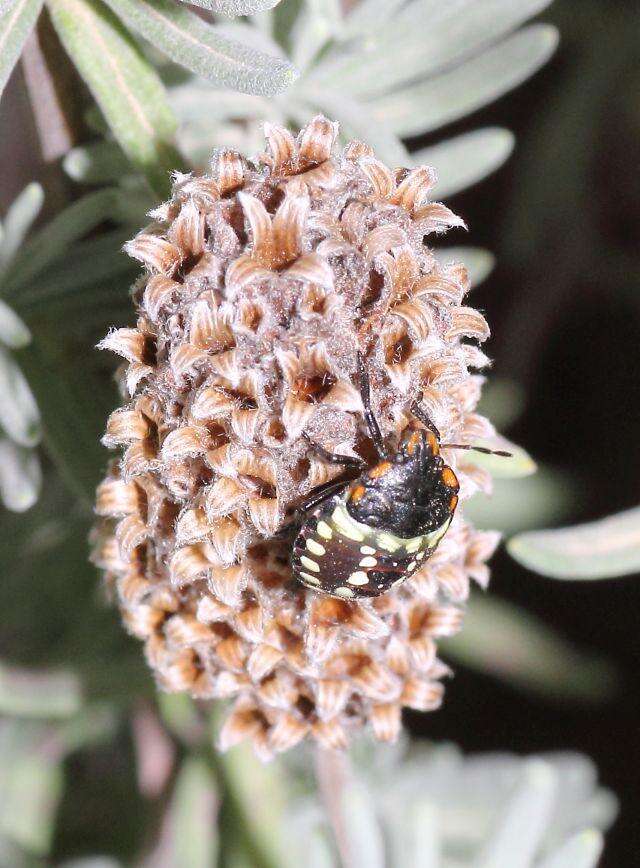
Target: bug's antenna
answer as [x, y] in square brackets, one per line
[500, 452]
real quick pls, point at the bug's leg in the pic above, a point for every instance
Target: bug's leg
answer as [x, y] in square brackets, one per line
[319, 495]
[313, 499]
[421, 414]
[370, 419]
[350, 461]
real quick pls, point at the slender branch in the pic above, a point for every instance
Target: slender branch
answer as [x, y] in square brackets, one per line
[333, 773]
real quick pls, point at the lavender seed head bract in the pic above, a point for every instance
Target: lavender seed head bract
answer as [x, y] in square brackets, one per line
[262, 280]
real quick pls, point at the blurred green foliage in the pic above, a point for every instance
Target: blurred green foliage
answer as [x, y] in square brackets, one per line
[78, 710]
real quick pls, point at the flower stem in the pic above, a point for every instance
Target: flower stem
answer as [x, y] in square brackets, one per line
[333, 773]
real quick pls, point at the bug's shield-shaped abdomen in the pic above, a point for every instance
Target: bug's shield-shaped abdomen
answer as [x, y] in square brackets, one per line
[336, 555]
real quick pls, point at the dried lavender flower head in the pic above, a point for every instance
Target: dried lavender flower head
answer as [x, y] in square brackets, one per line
[261, 283]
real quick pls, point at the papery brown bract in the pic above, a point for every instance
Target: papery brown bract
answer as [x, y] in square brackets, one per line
[261, 283]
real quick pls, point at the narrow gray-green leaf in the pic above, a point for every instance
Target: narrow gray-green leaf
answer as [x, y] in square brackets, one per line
[188, 40]
[50, 242]
[515, 841]
[421, 40]
[13, 332]
[74, 408]
[502, 401]
[600, 549]
[518, 465]
[20, 478]
[369, 14]
[124, 84]
[318, 22]
[31, 790]
[16, 23]
[19, 416]
[23, 211]
[99, 163]
[582, 850]
[31, 693]
[479, 262]
[504, 641]
[91, 862]
[233, 8]
[193, 816]
[518, 505]
[429, 104]
[464, 160]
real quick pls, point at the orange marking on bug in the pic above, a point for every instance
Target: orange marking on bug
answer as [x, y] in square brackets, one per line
[449, 478]
[380, 469]
[357, 493]
[453, 502]
[432, 442]
[412, 442]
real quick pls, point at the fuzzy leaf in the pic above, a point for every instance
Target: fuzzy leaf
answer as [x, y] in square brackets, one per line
[193, 816]
[235, 7]
[521, 826]
[19, 416]
[20, 477]
[600, 549]
[73, 411]
[464, 160]
[31, 786]
[362, 831]
[501, 639]
[503, 401]
[23, 211]
[369, 14]
[91, 862]
[259, 794]
[479, 262]
[420, 40]
[49, 243]
[523, 504]
[519, 465]
[13, 332]
[17, 20]
[427, 105]
[318, 22]
[582, 850]
[123, 83]
[188, 40]
[28, 693]
[99, 163]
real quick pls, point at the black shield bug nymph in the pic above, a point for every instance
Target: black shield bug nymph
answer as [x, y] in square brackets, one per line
[360, 537]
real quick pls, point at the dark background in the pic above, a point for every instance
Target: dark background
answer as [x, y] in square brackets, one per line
[563, 217]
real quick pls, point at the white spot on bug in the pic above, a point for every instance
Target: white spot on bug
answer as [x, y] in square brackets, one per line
[388, 542]
[414, 544]
[309, 564]
[420, 555]
[313, 580]
[411, 567]
[367, 550]
[368, 562]
[432, 539]
[346, 525]
[324, 530]
[344, 592]
[358, 578]
[316, 548]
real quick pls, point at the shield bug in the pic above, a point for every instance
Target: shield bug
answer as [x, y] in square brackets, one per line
[359, 537]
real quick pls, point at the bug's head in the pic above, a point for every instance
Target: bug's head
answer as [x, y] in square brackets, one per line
[410, 493]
